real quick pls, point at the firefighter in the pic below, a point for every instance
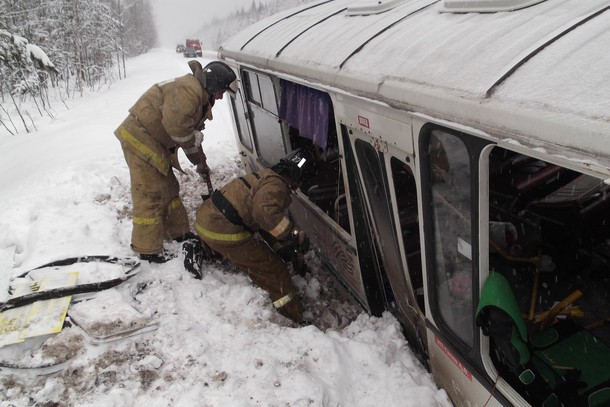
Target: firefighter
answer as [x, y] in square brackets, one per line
[257, 202]
[168, 116]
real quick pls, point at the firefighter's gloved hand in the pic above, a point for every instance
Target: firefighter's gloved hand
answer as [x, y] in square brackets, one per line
[302, 243]
[298, 241]
[203, 169]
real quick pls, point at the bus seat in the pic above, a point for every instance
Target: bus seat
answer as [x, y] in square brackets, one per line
[521, 174]
[526, 181]
[499, 317]
[596, 215]
[580, 190]
[331, 154]
[317, 193]
[331, 201]
[561, 365]
[582, 206]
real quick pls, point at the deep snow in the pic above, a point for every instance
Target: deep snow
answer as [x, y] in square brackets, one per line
[64, 192]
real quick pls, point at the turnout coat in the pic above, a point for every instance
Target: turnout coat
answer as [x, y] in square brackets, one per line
[165, 118]
[260, 199]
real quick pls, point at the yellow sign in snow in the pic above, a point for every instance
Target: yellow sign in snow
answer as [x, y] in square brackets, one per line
[39, 318]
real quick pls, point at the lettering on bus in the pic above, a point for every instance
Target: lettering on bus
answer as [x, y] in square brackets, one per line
[364, 122]
[454, 359]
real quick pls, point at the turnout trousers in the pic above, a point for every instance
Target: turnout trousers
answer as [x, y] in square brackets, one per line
[158, 211]
[266, 269]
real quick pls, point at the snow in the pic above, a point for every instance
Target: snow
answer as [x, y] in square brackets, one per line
[38, 54]
[64, 192]
[514, 74]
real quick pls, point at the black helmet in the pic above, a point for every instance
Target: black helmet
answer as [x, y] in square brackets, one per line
[219, 77]
[298, 165]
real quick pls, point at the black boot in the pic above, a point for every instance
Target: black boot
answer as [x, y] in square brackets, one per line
[157, 257]
[185, 237]
[193, 257]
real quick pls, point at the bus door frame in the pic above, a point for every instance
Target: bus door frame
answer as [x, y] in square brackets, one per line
[241, 117]
[395, 131]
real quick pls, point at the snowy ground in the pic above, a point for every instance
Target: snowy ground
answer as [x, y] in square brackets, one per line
[64, 192]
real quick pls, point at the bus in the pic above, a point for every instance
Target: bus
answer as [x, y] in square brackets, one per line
[463, 149]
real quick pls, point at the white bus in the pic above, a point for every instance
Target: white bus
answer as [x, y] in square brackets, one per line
[464, 155]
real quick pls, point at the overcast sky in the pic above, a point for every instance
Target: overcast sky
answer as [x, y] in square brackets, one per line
[179, 19]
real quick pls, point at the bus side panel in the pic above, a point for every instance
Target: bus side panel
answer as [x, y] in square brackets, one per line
[385, 124]
[460, 383]
[331, 245]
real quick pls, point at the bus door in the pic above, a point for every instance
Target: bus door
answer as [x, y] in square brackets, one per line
[397, 261]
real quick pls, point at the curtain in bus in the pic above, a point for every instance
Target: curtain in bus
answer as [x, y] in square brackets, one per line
[307, 110]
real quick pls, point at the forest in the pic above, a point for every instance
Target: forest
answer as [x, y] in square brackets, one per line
[66, 45]
[54, 50]
[219, 30]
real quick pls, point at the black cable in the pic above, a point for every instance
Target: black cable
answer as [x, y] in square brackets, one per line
[59, 292]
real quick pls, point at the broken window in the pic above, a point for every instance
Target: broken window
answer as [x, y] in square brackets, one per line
[308, 116]
[549, 258]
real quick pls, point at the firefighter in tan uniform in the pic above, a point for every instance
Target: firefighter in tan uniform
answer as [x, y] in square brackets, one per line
[168, 116]
[258, 202]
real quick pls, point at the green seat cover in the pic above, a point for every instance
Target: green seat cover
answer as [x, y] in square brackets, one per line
[497, 293]
[580, 352]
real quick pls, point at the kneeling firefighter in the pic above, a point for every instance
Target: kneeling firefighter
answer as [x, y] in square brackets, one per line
[257, 202]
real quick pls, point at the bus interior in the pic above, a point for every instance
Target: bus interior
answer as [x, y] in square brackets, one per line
[549, 240]
[300, 106]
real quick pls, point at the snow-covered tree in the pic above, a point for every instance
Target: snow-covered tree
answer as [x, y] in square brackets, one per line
[219, 30]
[86, 40]
[23, 69]
[140, 31]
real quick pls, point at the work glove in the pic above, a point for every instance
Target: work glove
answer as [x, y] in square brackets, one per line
[195, 153]
[300, 246]
[297, 241]
[302, 243]
[203, 169]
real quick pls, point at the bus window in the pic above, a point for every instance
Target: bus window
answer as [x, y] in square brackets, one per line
[267, 94]
[549, 244]
[266, 129]
[252, 88]
[308, 115]
[408, 218]
[449, 174]
[237, 103]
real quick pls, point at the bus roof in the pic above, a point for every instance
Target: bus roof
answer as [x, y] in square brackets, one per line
[538, 74]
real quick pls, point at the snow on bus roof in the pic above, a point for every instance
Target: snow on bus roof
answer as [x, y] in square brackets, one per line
[551, 56]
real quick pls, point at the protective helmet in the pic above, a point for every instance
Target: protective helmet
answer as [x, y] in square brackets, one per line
[219, 77]
[298, 165]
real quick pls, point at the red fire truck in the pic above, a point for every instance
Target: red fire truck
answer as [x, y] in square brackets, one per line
[195, 44]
